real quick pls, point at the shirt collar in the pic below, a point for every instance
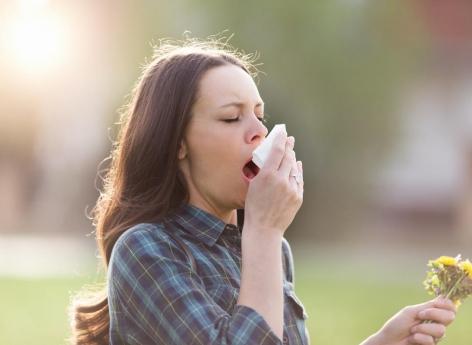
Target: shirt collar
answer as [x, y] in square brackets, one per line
[201, 224]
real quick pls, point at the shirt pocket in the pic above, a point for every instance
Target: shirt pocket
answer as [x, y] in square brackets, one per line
[224, 295]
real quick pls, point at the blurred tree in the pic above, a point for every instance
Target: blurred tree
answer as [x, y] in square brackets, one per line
[332, 71]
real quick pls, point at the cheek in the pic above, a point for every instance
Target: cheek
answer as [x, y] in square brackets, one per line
[206, 148]
[212, 152]
[215, 151]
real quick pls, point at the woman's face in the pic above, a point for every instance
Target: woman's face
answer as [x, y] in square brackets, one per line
[226, 126]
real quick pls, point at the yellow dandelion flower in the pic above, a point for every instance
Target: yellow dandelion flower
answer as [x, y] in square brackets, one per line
[466, 266]
[446, 261]
[457, 303]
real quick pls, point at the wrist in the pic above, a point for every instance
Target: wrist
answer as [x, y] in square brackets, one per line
[375, 339]
[266, 233]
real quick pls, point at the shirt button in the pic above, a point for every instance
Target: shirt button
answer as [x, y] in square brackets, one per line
[285, 340]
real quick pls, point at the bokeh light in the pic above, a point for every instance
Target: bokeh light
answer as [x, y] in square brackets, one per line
[35, 38]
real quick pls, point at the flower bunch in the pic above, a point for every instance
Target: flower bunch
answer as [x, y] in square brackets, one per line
[450, 277]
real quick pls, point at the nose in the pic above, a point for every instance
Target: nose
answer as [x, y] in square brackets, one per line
[256, 131]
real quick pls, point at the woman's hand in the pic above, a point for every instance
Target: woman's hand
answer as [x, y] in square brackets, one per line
[274, 197]
[406, 327]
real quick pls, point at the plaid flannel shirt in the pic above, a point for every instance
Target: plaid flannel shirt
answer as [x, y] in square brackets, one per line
[155, 296]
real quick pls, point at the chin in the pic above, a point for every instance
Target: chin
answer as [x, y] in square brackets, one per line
[243, 196]
[239, 194]
[239, 201]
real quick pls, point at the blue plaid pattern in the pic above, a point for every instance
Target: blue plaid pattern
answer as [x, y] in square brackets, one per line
[155, 296]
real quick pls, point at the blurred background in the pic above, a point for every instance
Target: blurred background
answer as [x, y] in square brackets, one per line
[377, 94]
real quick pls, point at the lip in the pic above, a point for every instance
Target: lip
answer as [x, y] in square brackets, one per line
[245, 178]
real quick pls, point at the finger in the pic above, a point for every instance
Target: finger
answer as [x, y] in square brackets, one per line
[420, 339]
[436, 330]
[438, 302]
[437, 315]
[277, 152]
[444, 303]
[294, 170]
[295, 173]
[300, 182]
[289, 157]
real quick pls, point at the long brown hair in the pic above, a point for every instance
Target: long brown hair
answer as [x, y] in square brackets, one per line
[143, 182]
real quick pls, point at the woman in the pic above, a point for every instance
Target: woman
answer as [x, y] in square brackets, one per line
[182, 267]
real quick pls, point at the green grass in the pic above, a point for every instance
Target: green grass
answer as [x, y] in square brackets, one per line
[34, 311]
[344, 304]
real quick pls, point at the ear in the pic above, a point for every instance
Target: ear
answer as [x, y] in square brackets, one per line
[182, 150]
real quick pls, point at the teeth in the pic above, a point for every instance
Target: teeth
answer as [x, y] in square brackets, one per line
[259, 156]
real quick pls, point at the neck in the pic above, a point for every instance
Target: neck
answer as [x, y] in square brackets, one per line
[228, 216]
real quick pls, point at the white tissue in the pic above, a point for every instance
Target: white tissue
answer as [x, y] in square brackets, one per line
[259, 156]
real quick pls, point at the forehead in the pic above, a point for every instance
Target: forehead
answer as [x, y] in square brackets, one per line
[223, 84]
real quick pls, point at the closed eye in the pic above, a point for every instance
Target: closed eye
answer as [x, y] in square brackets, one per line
[261, 118]
[231, 120]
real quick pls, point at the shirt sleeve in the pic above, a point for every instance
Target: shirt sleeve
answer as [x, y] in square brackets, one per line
[165, 302]
[288, 261]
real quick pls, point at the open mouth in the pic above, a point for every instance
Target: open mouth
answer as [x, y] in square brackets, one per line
[250, 170]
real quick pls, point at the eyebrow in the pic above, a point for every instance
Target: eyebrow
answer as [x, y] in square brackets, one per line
[239, 105]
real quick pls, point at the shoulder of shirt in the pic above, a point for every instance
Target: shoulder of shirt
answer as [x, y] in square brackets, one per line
[138, 230]
[139, 237]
